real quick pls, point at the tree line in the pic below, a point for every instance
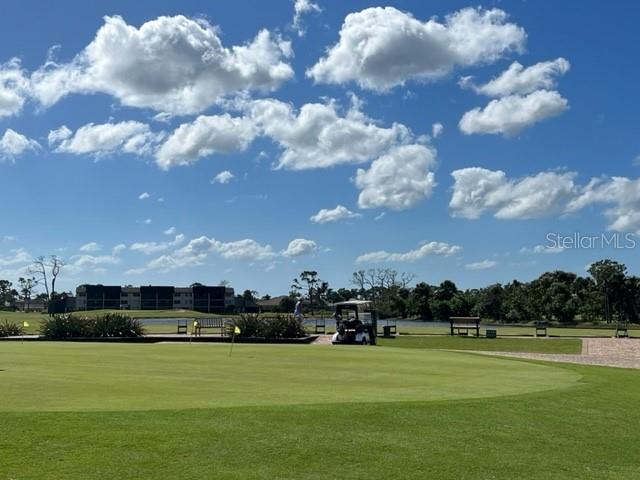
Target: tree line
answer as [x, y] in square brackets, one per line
[608, 294]
[42, 273]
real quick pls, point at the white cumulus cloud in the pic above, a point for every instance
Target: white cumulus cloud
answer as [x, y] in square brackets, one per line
[149, 248]
[144, 196]
[80, 263]
[18, 255]
[223, 177]
[436, 130]
[205, 136]
[483, 265]
[478, 190]
[318, 136]
[90, 247]
[300, 8]
[104, 139]
[542, 249]
[14, 88]
[398, 179]
[300, 246]
[424, 250]
[14, 144]
[199, 249]
[380, 48]
[621, 194]
[173, 64]
[520, 80]
[509, 115]
[334, 214]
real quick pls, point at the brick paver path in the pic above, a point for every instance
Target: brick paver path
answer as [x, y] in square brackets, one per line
[611, 352]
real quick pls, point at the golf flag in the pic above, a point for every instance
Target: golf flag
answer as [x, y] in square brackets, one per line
[25, 324]
[236, 329]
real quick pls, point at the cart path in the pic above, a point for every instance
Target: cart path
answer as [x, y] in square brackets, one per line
[322, 340]
[610, 352]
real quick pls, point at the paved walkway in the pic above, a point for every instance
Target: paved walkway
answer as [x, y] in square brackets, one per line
[322, 340]
[611, 352]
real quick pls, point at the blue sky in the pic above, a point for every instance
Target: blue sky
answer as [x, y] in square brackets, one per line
[190, 141]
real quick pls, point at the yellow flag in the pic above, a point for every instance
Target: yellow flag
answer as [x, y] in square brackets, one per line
[236, 329]
[25, 324]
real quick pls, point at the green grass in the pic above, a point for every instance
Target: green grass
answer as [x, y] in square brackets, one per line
[530, 345]
[85, 377]
[96, 411]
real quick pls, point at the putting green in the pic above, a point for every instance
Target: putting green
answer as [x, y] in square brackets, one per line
[107, 377]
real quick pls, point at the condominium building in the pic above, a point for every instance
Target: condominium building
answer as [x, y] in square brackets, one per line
[201, 298]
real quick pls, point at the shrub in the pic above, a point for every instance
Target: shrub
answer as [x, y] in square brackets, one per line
[109, 325]
[65, 326]
[116, 325]
[280, 326]
[10, 329]
[249, 325]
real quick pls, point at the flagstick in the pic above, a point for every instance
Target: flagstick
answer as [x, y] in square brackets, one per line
[194, 325]
[233, 336]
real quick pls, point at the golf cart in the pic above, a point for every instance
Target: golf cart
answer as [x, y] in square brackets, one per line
[356, 323]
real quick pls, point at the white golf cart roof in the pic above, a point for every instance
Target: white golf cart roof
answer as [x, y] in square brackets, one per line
[353, 303]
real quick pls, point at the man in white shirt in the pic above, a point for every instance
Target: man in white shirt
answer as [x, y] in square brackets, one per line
[297, 313]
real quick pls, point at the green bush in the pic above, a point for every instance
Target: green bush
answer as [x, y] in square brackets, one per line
[116, 325]
[249, 325]
[109, 325]
[65, 326]
[10, 329]
[280, 326]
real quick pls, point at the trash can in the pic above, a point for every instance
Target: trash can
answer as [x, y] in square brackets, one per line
[386, 331]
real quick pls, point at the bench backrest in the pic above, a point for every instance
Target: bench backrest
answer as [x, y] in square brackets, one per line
[210, 322]
[464, 321]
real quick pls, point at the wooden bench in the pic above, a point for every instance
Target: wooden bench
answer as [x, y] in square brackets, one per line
[622, 330]
[541, 329]
[321, 325]
[183, 324]
[203, 323]
[462, 325]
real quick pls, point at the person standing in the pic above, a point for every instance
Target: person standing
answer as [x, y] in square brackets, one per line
[297, 312]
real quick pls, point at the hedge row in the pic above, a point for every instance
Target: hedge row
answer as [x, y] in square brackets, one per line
[280, 326]
[109, 325]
